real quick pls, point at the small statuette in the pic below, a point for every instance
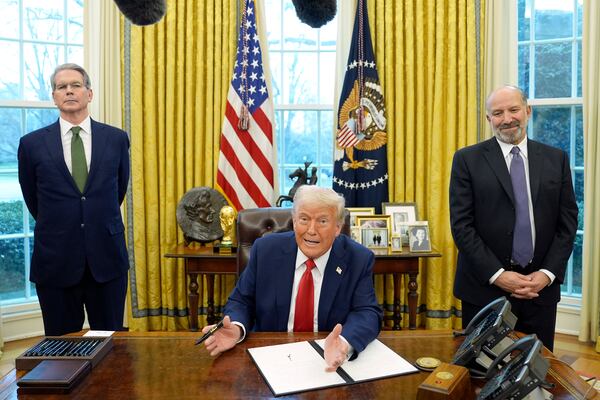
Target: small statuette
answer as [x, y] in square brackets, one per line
[244, 121]
[227, 217]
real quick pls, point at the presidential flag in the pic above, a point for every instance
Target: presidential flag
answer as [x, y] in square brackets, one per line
[245, 173]
[360, 166]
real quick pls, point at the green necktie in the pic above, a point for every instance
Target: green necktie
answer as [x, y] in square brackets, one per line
[78, 163]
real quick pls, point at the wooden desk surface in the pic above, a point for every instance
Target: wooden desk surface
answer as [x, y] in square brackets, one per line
[167, 365]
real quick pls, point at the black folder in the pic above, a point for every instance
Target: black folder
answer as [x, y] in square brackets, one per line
[54, 376]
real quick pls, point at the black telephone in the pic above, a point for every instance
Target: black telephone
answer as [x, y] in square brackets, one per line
[485, 330]
[523, 373]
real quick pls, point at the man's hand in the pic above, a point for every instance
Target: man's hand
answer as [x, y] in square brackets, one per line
[539, 279]
[336, 349]
[520, 286]
[224, 339]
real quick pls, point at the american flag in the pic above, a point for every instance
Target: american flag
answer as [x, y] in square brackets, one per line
[245, 172]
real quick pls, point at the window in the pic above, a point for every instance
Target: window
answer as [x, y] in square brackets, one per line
[549, 34]
[35, 37]
[302, 61]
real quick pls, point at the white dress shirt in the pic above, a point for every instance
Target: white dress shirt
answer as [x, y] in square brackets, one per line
[86, 137]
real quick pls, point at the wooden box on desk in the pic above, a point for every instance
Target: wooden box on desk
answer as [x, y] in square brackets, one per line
[97, 352]
[448, 382]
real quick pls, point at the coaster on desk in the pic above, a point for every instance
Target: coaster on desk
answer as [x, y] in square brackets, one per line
[427, 363]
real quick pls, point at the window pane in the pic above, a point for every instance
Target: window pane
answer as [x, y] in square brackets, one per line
[579, 76]
[12, 268]
[579, 17]
[326, 139]
[273, 23]
[577, 262]
[11, 217]
[578, 160]
[296, 35]
[553, 70]
[275, 65]
[578, 186]
[553, 19]
[40, 61]
[10, 132]
[38, 118]
[524, 68]
[326, 77]
[524, 16]
[42, 21]
[9, 82]
[75, 55]
[75, 21]
[300, 70]
[328, 35]
[299, 132]
[551, 125]
[9, 19]
[326, 176]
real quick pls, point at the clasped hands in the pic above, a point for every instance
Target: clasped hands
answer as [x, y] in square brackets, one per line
[522, 286]
[336, 348]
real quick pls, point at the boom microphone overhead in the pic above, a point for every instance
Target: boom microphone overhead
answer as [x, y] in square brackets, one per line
[315, 13]
[142, 12]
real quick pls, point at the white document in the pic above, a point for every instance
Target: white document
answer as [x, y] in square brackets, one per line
[99, 333]
[297, 367]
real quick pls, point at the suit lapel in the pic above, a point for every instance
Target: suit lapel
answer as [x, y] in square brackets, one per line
[493, 155]
[536, 162]
[53, 143]
[99, 138]
[284, 263]
[334, 273]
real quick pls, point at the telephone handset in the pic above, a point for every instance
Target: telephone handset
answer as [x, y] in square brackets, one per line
[518, 377]
[488, 327]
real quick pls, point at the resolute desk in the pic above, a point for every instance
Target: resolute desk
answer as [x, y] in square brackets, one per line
[167, 365]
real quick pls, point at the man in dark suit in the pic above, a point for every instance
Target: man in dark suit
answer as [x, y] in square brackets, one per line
[268, 295]
[74, 176]
[511, 242]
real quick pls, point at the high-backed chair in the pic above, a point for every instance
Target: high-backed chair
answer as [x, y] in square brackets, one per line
[256, 222]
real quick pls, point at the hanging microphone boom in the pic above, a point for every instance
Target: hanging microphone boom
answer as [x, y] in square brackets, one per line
[315, 13]
[142, 12]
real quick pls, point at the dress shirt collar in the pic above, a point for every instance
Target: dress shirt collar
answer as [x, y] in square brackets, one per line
[85, 125]
[320, 262]
[507, 147]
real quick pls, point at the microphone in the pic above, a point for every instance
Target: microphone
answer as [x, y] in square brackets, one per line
[315, 13]
[142, 12]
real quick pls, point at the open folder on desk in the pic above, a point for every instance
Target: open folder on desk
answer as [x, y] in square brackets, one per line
[298, 367]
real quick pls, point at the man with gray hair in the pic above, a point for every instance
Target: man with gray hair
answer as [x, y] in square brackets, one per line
[73, 175]
[309, 280]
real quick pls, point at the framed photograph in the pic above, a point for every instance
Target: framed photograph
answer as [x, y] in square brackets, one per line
[355, 211]
[373, 221]
[355, 233]
[396, 243]
[375, 238]
[401, 214]
[418, 241]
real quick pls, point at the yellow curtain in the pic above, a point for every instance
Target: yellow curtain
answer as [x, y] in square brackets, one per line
[429, 65]
[176, 75]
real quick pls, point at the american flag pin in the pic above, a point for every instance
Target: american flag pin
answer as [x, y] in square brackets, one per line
[338, 270]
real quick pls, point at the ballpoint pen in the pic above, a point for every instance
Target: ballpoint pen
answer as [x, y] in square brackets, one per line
[212, 330]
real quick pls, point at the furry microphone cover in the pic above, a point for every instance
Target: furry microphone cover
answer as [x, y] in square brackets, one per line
[142, 12]
[315, 13]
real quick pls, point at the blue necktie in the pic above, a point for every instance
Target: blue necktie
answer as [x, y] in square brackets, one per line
[522, 251]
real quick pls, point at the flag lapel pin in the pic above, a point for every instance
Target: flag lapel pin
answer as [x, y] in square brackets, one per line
[338, 270]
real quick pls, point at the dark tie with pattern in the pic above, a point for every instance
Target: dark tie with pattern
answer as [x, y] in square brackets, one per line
[78, 163]
[305, 300]
[522, 252]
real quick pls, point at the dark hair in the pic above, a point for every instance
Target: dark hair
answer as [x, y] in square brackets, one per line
[70, 66]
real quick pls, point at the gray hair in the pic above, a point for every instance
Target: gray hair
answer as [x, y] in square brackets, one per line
[524, 98]
[326, 197]
[70, 66]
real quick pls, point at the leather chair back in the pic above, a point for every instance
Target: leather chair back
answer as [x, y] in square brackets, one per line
[254, 223]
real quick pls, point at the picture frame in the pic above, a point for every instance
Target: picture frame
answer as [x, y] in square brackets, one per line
[355, 211]
[419, 239]
[401, 215]
[355, 234]
[396, 244]
[374, 231]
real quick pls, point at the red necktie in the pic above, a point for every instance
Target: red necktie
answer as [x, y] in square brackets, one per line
[305, 300]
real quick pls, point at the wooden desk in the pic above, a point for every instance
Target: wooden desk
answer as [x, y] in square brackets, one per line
[167, 365]
[204, 261]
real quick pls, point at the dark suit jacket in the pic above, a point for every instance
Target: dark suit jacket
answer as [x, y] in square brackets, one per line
[72, 227]
[482, 217]
[262, 296]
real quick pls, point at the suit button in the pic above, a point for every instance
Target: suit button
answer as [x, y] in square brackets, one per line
[82, 198]
[82, 225]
